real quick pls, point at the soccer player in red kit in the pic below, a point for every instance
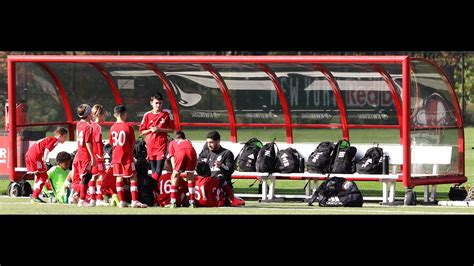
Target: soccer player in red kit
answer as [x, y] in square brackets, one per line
[122, 139]
[209, 192]
[156, 125]
[98, 170]
[35, 159]
[84, 159]
[164, 186]
[183, 159]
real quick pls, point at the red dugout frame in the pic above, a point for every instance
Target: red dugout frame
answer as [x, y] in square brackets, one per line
[402, 107]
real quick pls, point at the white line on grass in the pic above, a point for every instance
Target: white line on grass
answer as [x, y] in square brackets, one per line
[360, 211]
[15, 203]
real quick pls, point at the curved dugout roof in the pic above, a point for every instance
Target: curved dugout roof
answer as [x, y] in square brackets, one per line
[288, 92]
[260, 91]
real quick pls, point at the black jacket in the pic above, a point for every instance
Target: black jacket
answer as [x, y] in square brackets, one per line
[222, 154]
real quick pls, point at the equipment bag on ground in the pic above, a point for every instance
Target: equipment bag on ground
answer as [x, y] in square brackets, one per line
[457, 193]
[337, 191]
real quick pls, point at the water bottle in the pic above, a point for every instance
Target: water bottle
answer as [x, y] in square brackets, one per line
[302, 166]
[385, 164]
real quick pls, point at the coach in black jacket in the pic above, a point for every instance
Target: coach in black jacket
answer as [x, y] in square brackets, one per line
[221, 162]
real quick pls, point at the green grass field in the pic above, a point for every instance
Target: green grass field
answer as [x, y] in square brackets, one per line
[22, 205]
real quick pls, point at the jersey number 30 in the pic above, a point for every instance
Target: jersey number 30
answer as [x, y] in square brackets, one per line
[118, 138]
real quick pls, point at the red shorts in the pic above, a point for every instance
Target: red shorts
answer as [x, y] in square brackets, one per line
[156, 150]
[34, 166]
[125, 170]
[108, 183]
[156, 157]
[77, 187]
[98, 168]
[185, 160]
[82, 167]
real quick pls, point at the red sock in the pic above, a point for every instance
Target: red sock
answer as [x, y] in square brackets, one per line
[134, 190]
[40, 180]
[99, 192]
[48, 185]
[228, 191]
[83, 193]
[173, 194]
[92, 189]
[155, 176]
[191, 192]
[119, 186]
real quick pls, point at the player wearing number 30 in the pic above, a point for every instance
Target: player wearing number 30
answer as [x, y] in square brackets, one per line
[122, 138]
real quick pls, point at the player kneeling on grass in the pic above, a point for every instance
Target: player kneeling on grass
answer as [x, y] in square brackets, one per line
[122, 138]
[58, 177]
[209, 192]
[183, 159]
[108, 189]
[35, 159]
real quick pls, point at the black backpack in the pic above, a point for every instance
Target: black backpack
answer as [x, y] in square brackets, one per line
[266, 159]
[247, 157]
[320, 159]
[21, 188]
[139, 150]
[337, 191]
[457, 193]
[288, 161]
[372, 162]
[344, 158]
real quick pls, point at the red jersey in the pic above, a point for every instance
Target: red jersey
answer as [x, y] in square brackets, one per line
[83, 135]
[97, 145]
[208, 192]
[185, 157]
[156, 142]
[36, 151]
[179, 145]
[122, 139]
[164, 185]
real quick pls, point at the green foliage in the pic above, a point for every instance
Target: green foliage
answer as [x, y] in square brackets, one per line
[468, 87]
